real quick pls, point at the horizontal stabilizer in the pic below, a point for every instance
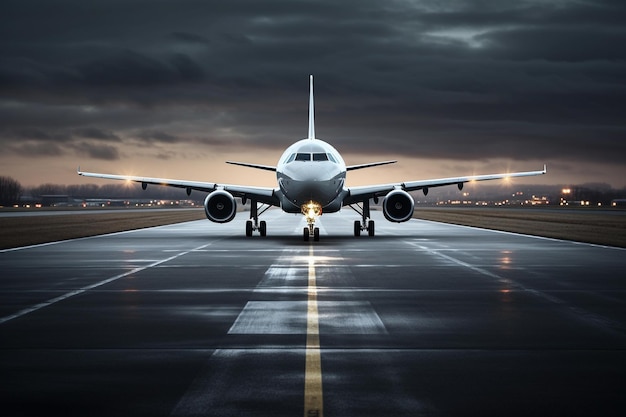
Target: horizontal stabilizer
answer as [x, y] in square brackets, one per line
[257, 166]
[371, 164]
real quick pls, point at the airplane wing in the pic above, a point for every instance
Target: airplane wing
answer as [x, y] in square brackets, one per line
[264, 195]
[371, 164]
[257, 166]
[359, 194]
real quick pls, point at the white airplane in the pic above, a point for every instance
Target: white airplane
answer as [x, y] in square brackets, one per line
[311, 178]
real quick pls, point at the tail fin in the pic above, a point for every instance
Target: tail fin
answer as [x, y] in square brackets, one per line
[311, 110]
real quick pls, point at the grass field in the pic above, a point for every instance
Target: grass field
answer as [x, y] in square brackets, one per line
[30, 230]
[603, 227]
[600, 227]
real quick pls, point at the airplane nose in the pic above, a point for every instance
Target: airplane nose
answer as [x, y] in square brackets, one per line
[308, 173]
[314, 172]
[311, 181]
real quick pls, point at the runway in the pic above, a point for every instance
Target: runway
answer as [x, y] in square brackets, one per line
[425, 319]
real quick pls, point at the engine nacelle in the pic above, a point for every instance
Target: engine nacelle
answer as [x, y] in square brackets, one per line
[398, 206]
[220, 206]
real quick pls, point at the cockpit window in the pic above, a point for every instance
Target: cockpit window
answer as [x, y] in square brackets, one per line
[315, 156]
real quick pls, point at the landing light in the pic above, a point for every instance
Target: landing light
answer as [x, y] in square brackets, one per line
[311, 209]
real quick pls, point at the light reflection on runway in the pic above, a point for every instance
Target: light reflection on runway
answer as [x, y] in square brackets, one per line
[425, 318]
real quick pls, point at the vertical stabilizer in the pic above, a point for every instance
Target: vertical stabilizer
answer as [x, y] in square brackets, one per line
[311, 110]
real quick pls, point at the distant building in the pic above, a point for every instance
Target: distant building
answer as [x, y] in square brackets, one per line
[103, 202]
[55, 200]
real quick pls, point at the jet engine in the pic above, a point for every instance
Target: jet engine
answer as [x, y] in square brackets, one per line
[398, 206]
[220, 206]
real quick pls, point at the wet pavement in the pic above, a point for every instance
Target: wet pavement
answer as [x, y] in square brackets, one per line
[428, 319]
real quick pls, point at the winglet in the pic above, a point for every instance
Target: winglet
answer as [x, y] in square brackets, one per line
[311, 110]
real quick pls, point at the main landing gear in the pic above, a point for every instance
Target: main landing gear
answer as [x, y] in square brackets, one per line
[254, 224]
[311, 211]
[366, 223]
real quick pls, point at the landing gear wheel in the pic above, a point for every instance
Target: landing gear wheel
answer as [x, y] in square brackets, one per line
[357, 228]
[316, 234]
[263, 228]
[249, 228]
[306, 234]
[370, 227]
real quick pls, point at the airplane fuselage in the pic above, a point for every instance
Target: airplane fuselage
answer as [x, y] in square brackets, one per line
[311, 171]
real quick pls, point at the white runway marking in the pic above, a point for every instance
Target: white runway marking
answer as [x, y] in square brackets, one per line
[96, 285]
[289, 317]
[604, 323]
[271, 317]
[349, 317]
[40, 245]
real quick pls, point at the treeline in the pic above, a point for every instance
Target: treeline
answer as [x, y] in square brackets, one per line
[10, 191]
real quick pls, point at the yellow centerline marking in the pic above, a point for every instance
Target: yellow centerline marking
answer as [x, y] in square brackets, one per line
[313, 399]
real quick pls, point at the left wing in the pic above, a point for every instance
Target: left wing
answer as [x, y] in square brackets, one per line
[358, 194]
[264, 195]
[257, 166]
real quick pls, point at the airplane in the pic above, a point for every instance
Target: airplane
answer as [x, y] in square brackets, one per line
[311, 179]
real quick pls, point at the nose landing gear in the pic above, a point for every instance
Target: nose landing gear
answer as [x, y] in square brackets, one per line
[311, 211]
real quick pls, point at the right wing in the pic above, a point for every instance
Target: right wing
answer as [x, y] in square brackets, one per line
[371, 164]
[264, 195]
[359, 194]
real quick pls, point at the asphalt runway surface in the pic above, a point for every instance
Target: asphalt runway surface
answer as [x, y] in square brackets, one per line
[425, 319]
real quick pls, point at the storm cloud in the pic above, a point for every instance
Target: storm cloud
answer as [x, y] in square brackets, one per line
[453, 80]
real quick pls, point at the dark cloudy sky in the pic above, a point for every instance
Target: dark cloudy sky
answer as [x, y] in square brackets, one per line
[174, 88]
